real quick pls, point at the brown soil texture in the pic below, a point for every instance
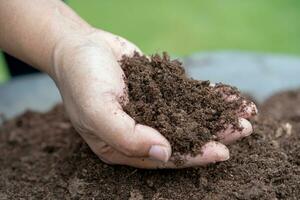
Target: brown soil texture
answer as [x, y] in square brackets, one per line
[187, 112]
[288, 111]
[42, 157]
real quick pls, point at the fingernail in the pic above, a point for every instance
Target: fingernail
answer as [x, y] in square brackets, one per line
[215, 152]
[224, 155]
[246, 126]
[159, 153]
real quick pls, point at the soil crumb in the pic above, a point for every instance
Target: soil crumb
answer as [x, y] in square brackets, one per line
[187, 112]
[42, 157]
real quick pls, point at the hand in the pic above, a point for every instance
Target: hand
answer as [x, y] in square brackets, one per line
[90, 80]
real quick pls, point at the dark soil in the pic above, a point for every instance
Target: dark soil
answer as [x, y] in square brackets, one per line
[187, 112]
[288, 111]
[42, 157]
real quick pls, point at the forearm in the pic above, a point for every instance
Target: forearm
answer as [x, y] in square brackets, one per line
[31, 29]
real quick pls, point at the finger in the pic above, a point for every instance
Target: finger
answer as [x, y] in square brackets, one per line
[212, 152]
[231, 134]
[127, 48]
[121, 132]
[246, 110]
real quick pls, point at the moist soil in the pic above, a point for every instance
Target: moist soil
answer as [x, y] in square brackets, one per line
[187, 112]
[42, 157]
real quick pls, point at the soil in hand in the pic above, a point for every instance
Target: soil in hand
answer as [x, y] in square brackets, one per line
[187, 112]
[42, 156]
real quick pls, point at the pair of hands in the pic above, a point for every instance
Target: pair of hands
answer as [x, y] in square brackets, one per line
[90, 80]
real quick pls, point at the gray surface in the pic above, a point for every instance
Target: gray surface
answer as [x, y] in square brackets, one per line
[260, 75]
[257, 74]
[36, 92]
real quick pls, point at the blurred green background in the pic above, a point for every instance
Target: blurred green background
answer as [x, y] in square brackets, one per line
[183, 27]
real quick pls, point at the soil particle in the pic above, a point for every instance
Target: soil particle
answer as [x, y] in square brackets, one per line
[187, 112]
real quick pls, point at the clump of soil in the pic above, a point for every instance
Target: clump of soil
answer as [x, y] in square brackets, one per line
[42, 157]
[187, 112]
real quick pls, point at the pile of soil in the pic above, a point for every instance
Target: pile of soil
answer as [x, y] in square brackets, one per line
[187, 112]
[42, 157]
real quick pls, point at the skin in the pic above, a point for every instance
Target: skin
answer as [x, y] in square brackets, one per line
[83, 62]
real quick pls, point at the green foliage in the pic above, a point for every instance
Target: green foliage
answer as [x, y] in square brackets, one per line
[3, 71]
[183, 27]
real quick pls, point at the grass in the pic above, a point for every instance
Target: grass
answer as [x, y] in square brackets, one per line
[183, 27]
[3, 71]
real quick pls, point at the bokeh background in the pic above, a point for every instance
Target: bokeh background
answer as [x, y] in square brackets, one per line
[184, 27]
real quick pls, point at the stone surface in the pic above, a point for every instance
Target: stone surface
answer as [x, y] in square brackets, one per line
[35, 92]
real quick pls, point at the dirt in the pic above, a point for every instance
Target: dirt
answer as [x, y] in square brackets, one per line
[288, 111]
[42, 157]
[187, 112]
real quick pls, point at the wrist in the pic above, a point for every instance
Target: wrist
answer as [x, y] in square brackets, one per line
[63, 53]
[75, 53]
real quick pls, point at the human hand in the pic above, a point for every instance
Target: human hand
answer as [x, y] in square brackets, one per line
[91, 83]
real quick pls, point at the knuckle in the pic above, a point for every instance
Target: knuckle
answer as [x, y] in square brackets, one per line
[106, 157]
[107, 160]
[104, 152]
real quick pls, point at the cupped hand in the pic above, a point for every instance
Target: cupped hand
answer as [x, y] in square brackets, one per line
[91, 83]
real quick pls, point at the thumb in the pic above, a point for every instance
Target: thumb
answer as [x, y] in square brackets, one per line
[121, 132]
